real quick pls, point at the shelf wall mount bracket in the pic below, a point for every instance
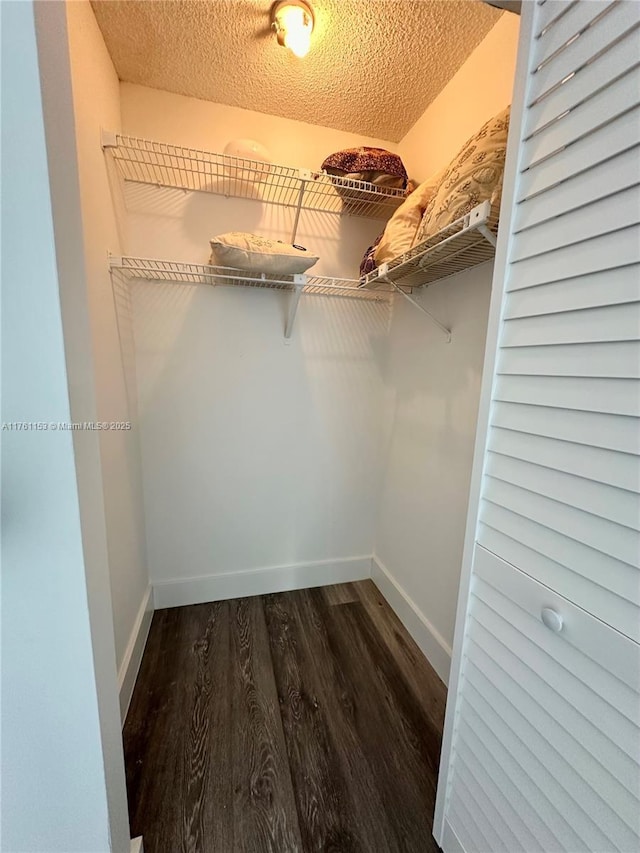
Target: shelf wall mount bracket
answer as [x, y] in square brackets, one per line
[478, 219]
[299, 282]
[383, 271]
[108, 139]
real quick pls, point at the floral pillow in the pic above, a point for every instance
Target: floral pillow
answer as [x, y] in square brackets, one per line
[473, 176]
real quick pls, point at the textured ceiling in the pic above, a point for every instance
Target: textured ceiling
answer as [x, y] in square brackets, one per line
[373, 68]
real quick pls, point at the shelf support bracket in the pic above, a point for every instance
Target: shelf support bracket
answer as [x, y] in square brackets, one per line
[446, 332]
[304, 175]
[488, 235]
[299, 282]
[384, 277]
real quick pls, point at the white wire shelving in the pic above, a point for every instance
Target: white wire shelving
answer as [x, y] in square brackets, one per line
[158, 163]
[465, 243]
[177, 272]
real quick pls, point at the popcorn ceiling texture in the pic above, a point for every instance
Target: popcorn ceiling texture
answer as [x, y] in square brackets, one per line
[373, 68]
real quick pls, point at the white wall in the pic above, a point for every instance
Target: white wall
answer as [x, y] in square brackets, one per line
[421, 517]
[155, 114]
[256, 454]
[420, 528]
[62, 767]
[97, 104]
[480, 89]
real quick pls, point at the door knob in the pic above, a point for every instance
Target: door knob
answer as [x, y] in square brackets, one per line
[552, 619]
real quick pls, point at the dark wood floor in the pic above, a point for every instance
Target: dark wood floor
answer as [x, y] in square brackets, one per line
[301, 721]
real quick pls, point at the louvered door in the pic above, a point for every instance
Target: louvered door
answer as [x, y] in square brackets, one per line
[562, 470]
[547, 734]
[543, 741]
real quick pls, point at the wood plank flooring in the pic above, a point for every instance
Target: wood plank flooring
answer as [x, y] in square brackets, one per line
[302, 721]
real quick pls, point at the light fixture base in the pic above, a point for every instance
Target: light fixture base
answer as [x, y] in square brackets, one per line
[280, 4]
[278, 21]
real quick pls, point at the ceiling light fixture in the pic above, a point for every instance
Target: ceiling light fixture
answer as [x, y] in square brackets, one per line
[293, 22]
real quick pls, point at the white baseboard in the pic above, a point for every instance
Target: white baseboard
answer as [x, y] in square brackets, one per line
[176, 593]
[130, 665]
[450, 842]
[136, 845]
[433, 645]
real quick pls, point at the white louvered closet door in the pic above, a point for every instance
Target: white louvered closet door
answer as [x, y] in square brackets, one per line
[543, 745]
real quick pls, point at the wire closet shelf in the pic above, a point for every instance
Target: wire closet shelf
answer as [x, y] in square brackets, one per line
[464, 243]
[150, 162]
[176, 272]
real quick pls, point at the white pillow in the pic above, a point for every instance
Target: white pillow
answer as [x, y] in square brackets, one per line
[259, 254]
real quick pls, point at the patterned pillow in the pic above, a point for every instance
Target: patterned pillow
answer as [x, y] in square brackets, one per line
[374, 165]
[472, 177]
[259, 254]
